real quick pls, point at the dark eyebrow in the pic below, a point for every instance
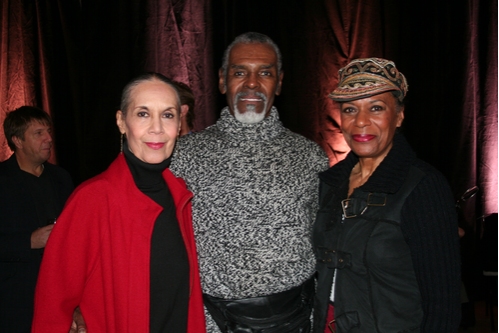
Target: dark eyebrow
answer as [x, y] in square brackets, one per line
[237, 67]
[377, 100]
[346, 103]
[143, 107]
[266, 66]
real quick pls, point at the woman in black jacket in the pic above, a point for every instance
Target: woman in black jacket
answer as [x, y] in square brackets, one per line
[386, 233]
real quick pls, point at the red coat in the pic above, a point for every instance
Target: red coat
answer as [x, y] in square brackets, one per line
[98, 257]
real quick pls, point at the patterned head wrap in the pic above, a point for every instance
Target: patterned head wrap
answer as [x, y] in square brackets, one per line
[363, 78]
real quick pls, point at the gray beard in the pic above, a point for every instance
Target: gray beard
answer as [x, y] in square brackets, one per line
[250, 116]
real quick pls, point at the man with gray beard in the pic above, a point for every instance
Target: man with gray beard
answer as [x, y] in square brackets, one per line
[255, 186]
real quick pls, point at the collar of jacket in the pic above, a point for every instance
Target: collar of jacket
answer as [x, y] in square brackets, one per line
[388, 176]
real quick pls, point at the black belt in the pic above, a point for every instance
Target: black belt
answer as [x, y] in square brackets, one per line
[284, 312]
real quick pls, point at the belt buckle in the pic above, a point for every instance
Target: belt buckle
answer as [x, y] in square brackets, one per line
[344, 205]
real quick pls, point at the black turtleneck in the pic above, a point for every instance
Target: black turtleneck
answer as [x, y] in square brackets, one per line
[169, 261]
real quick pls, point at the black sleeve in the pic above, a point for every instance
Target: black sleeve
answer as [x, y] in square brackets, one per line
[429, 224]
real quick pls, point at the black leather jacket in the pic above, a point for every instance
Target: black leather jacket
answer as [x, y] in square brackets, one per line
[376, 259]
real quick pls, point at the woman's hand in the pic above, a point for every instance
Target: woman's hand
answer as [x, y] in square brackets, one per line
[78, 325]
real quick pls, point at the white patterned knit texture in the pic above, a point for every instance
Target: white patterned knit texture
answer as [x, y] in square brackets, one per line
[255, 199]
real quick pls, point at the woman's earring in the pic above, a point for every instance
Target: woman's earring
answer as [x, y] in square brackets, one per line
[121, 143]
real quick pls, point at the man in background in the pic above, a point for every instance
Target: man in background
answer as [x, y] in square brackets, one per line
[32, 194]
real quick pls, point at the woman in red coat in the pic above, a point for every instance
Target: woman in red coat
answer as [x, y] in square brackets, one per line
[123, 248]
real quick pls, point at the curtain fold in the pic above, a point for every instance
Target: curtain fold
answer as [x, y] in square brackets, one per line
[18, 62]
[486, 129]
[178, 45]
[338, 31]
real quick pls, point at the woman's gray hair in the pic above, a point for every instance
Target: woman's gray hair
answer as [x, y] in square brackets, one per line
[151, 76]
[251, 38]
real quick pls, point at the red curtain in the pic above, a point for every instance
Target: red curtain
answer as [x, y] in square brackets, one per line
[480, 105]
[23, 70]
[37, 63]
[450, 61]
[73, 57]
[179, 45]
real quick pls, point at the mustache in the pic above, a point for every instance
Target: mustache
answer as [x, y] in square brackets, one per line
[243, 94]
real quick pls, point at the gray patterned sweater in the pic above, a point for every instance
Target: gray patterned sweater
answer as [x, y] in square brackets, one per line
[255, 198]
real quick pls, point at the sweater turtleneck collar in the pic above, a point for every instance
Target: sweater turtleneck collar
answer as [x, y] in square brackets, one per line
[146, 175]
[266, 129]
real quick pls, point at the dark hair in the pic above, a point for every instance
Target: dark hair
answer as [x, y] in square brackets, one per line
[17, 122]
[400, 103]
[251, 38]
[150, 76]
[187, 98]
